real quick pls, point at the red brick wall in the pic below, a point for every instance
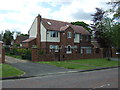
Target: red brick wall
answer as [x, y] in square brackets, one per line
[63, 56]
[29, 44]
[2, 52]
[64, 40]
[114, 55]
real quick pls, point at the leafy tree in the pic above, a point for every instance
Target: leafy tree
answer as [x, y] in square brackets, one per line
[98, 27]
[115, 8]
[115, 37]
[86, 26]
[24, 34]
[21, 34]
[8, 37]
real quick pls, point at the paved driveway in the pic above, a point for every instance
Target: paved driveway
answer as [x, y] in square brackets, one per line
[34, 69]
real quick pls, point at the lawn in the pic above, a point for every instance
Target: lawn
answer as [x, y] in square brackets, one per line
[7, 71]
[82, 64]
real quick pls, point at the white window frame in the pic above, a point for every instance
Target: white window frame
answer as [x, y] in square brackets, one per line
[54, 47]
[52, 34]
[88, 50]
[69, 34]
[76, 35]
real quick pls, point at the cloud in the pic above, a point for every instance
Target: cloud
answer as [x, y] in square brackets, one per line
[81, 15]
[19, 14]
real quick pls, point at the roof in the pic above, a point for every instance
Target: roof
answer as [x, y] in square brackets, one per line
[55, 25]
[21, 38]
[28, 40]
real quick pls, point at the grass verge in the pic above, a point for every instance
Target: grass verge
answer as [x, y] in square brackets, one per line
[8, 71]
[83, 64]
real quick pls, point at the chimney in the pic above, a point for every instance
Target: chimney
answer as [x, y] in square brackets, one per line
[38, 31]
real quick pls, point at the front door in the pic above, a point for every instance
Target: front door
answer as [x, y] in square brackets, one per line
[69, 51]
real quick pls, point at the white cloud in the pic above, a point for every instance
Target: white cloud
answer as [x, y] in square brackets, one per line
[26, 10]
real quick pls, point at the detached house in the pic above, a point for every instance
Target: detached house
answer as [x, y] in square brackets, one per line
[59, 36]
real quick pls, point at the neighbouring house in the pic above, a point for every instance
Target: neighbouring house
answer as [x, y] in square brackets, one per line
[19, 39]
[52, 34]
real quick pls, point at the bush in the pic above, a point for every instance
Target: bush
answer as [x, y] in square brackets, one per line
[7, 49]
[13, 51]
[25, 53]
[40, 52]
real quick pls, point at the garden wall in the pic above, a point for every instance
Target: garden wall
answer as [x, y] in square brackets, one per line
[2, 53]
[61, 56]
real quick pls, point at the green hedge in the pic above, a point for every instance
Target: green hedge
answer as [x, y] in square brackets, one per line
[24, 53]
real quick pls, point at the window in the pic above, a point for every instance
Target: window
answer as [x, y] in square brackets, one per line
[87, 50]
[54, 48]
[75, 36]
[87, 38]
[69, 34]
[53, 34]
[80, 37]
[75, 46]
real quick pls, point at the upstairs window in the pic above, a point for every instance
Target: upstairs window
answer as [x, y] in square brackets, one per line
[69, 34]
[87, 38]
[80, 37]
[75, 36]
[53, 34]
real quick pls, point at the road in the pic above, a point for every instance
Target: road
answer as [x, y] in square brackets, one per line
[107, 78]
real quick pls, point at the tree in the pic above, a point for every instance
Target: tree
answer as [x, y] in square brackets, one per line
[8, 37]
[115, 8]
[86, 26]
[115, 37]
[98, 27]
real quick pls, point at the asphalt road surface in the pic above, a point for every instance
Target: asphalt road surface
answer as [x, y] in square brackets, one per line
[107, 78]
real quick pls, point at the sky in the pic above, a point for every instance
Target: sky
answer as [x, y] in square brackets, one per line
[18, 15]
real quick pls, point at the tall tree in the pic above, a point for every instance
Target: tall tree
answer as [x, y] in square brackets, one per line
[115, 37]
[98, 26]
[115, 8]
[8, 37]
[85, 25]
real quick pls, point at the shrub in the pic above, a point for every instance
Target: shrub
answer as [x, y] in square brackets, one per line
[40, 52]
[25, 53]
[7, 49]
[13, 51]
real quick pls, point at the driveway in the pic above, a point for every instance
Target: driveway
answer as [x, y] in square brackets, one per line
[33, 69]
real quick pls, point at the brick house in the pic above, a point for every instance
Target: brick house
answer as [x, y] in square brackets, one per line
[56, 35]
[19, 39]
